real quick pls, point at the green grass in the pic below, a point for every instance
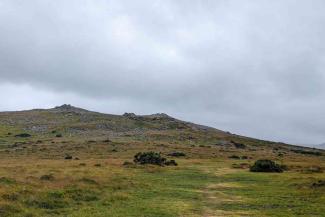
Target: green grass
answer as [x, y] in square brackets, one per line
[145, 191]
[287, 194]
[36, 180]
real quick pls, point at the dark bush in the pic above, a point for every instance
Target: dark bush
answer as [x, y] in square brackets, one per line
[149, 158]
[127, 163]
[10, 197]
[68, 157]
[97, 165]
[49, 177]
[177, 154]
[266, 166]
[58, 135]
[234, 157]
[23, 135]
[7, 181]
[171, 163]
[238, 145]
[152, 158]
[88, 181]
[320, 183]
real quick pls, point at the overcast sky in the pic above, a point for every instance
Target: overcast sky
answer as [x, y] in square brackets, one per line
[253, 67]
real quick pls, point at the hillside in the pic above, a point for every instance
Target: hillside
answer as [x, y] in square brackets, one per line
[68, 161]
[320, 146]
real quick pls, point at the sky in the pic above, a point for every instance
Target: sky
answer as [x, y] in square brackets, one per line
[253, 67]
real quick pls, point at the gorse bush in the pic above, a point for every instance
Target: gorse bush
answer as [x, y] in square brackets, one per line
[149, 158]
[238, 145]
[23, 135]
[266, 166]
[68, 157]
[177, 154]
[48, 177]
[152, 158]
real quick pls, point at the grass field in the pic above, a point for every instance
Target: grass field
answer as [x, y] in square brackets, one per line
[213, 179]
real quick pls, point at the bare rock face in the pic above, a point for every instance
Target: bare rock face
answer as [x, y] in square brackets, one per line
[69, 108]
[64, 107]
[130, 115]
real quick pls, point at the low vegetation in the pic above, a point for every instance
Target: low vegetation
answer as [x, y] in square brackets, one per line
[177, 154]
[85, 174]
[266, 166]
[153, 158]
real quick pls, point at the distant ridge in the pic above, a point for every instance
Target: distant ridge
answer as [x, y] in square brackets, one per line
[82, 123]
[320, 146]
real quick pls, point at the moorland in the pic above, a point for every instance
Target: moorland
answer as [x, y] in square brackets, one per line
[68, 161]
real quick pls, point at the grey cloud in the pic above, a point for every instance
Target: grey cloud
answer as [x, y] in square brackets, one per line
[252, 67]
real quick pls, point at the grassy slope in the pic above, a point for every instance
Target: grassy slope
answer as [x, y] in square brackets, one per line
[206, 182]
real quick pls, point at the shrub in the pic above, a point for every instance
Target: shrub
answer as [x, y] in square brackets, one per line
[149, 158]
[266, 166]
[23, 135]
[238, 145]
[171, 163]
[47, 203]
[49, 177]
[58, 135]
[10, 197]
[97, 165]
[234, 157]
[127, 163]
[152, 158]
[177, 154]
[320, 183]
[68, 157]
[88, 181]
[7, 181]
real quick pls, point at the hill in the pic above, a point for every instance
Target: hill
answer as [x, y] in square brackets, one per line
[68, 161]
[320, 146]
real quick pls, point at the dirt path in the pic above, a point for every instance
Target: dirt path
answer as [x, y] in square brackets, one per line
[215, 196]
